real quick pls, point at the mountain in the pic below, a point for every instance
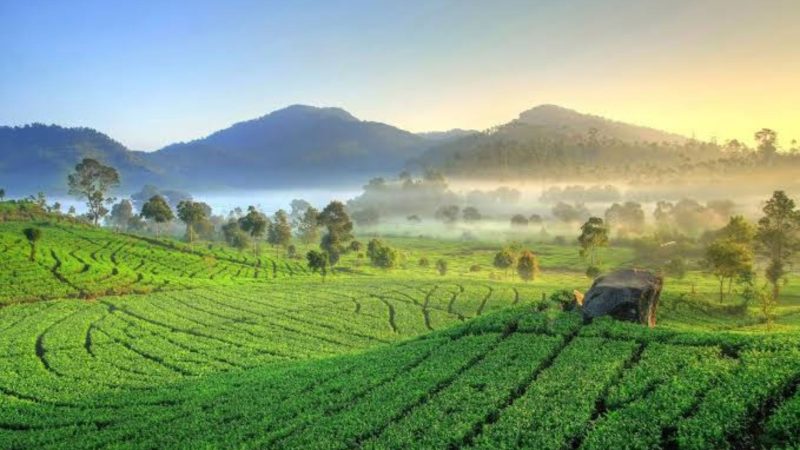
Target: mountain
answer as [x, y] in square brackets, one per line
[552, 141]
[299, 145]
[38, 157]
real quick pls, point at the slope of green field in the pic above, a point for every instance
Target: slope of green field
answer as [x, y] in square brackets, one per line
[142, 343]
[527, 376]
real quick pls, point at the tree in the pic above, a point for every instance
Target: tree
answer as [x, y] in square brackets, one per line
[441, 267]
[32, 235]
[447, 214]
[192, 214]
[627, 217]
[777, 236]
[2, 194]
[519, 221]
[356, 246]
[381, 255]
[121, 214]
[308, 226]
[318, 262]
[280, 232]
[157, 210]
[367, 217]
[767, 140]
[299, 207]
[339, 230]
[471, 214]
[254, 223]
[594, 234]
[527, 266]
[504, 259]
[738, 230]
[568, 213]
[92, 181]
[726, 260]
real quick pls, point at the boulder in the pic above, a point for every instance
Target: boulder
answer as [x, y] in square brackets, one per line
[629, 294]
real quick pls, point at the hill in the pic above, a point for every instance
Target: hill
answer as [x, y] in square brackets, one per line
[38, 157]
[556, 142]
[292, 146]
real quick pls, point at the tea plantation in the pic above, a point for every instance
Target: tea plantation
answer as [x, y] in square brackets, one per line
[112, 340]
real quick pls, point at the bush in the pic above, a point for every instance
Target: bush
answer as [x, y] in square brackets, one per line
[475, 268]
[441, 267]
[423, 262]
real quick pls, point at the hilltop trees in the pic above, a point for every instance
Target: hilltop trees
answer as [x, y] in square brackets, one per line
[254, 223]
[527, 266]
[778, 238]
[339, 230]
[157, 210]
[92, 181]
[594, 234]
[32, 235]
[192, 214]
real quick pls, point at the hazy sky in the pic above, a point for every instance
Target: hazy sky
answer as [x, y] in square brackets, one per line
[152, 72]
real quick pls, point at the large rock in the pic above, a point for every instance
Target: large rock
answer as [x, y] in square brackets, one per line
[630, 295]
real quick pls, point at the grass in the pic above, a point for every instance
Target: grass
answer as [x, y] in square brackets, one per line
[204, 347]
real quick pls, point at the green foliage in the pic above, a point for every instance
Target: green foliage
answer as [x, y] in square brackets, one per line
[193, 214]
[157, 210]
[778, 237]
[727, 260]
[339, 230]
[504, 259]
[92, 181]
[308, 226]
[381, 255]
[528, 266]
[441, 267]
[318, 262]
[32, 235]
[594, 234]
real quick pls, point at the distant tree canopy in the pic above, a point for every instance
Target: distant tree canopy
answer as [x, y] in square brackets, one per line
[447, 214]
[92, 181]
[778, 237]
[528, 266]
[254, 223]
[193, 214]
[308, 226]
[594, 234]
[570, 213]
[157, 210]
[627, 217]
[367, 217]
[471, 214]
[339, 230]
[519, 221]
[121, 214]
[382, 255]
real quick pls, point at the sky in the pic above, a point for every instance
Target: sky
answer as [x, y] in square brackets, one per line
[150, 73]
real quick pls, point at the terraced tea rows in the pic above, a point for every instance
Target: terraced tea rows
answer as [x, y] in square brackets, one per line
[124, 372]
[74, 261]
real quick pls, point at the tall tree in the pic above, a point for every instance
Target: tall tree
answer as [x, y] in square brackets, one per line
[594, 234]
[280, 232]
[339, 230]
[254, 223]
[767, 140]
[777, 236]
[32, 235]
[2, 194]
[92, 181]
[527, 266]
[157, 210]
[192, 214]
[121, 214]
[726, 260]
[308, 226]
